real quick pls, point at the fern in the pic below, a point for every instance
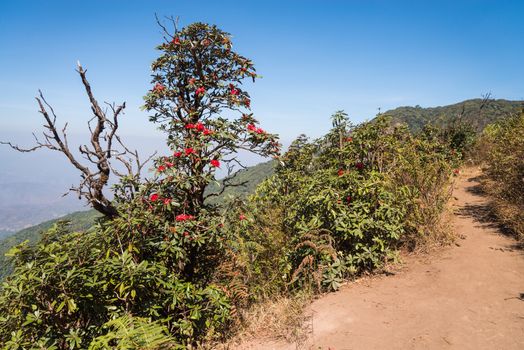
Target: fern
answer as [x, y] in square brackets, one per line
[128, 332]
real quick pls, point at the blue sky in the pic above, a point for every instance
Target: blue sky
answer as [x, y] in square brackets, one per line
[315, 57]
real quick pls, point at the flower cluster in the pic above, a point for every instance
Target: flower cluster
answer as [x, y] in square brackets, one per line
[200, 91]
[159, 87]
[155, 197]
[184, 217]
[200, 128]
[253, 128]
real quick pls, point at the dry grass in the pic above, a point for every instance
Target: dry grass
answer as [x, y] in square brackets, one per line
[281, 318]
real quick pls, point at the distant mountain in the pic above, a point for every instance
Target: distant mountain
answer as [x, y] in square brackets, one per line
[470, 111]
[81, 221]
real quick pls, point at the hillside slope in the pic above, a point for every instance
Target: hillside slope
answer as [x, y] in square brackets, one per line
[471, 111]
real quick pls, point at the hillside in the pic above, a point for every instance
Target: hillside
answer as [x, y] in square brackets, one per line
[251, 176]
[82, 220]
[416, 117]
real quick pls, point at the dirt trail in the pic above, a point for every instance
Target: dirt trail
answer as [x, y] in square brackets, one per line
[465, 297]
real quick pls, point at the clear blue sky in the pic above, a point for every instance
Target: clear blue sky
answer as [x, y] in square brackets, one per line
[315, 56]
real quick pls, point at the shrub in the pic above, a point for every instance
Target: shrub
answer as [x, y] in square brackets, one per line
[348, 200]
[503, 156]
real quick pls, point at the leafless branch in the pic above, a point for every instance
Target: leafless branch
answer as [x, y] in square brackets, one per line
[96, 174]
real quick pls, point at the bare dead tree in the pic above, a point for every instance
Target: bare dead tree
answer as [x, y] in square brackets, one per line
[96, 167]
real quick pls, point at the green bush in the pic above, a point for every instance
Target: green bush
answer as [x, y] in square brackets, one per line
[503, 154]
[349, 200]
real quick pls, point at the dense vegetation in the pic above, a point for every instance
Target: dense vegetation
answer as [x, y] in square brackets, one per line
[477, 113]
[80, 221]
[500, 148]
[248, 178]
[168, 267]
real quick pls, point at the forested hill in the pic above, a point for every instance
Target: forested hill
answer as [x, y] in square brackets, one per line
[470, 110]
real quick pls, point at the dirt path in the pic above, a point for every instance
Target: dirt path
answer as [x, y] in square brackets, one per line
[466, 297]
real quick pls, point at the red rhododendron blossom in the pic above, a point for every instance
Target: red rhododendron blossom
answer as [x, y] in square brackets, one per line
[208, 132]
[340, 172]
[175, 41]
[169, 164]
[159, 87]
[200, 127]
[247, 102]
[200, 91]
[177, 154]
[242, 217]
[167, 201]
[233, 90]
[189, 151]
[184, 217]
[260, 131]
[359, 165]
[154, 197]
[215, 163]
[252, 127]
[161, 168]
[190, 126]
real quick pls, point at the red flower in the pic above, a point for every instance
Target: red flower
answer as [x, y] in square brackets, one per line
[189, 151]
[167, 201]
[199, 126]
[359, 165]
[260, 131]
[200, 90]
[348, 199]
[169, 164]
[247, 102]
[208, 132]
[154, 197]
[159, 87]
[252, 127]
[215, 163]
[233, 90]
[177, 154]
[242, 217]
[456, 171]
[161, 168]
[340, 172]
[190, 126]
[184, 217]
[243, 69]
[175, 41]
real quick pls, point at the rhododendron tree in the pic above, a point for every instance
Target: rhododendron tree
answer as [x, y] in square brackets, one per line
[157, 254]
[204, 109]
